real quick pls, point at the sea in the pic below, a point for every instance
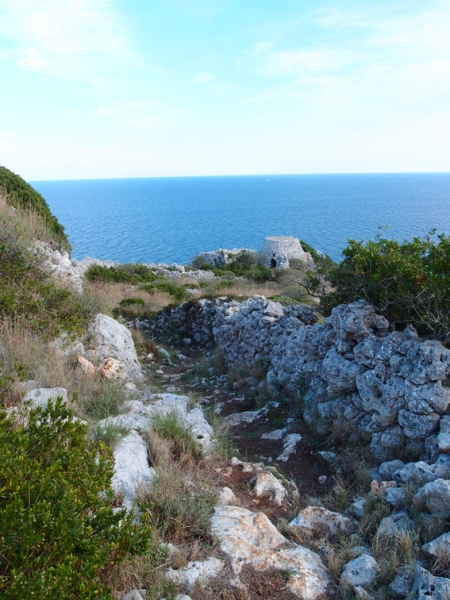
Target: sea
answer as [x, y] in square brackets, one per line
[172, 219]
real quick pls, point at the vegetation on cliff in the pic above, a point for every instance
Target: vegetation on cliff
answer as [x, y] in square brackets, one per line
[23, 197]
[407, 282]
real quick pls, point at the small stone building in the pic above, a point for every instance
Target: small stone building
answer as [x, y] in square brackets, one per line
[277, 251]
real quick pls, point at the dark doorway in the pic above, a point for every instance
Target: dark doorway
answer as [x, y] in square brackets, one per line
[273, 263]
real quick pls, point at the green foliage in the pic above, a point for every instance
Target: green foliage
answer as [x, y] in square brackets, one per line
[127, 273]
[178, 292]
[132, 302]
[58, 530]
[407, 282]
[322, 261]
[284, 300]
[28, 293]
[21, 195]
[244, 264]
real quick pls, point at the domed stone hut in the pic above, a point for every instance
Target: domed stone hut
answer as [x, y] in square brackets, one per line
[277, 251]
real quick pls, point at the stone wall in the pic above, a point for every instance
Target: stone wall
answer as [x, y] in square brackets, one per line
[277, 251]
[390, 388]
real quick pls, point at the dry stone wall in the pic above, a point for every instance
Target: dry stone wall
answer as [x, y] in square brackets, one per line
[388, 387]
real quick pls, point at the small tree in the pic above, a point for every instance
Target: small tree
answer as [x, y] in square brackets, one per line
[58, 529]
[407, 282]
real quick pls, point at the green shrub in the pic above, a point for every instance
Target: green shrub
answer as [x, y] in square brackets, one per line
[177, 292]
[28, 293]
[127, 273]
[21, 195]
[407, 282]
[132, 302]
[58, 530]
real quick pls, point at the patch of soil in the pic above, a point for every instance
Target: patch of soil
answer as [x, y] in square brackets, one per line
[270, 585]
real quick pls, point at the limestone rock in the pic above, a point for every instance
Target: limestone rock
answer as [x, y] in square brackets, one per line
[290, 443]
[61, 267]
[39, 398]
[439, 547]
[110, 339]
[417, 426]
[320, 520]
[387, 469]
[226, 496]
[402, 583]
[395, 526]
[436, 497]
[360, 572]
[113, 369]
[85, 365]
[131, 468]
[251, 539]
[267, 483]
[395, 496]
[428, 587]
[420, 473]
[196, 571]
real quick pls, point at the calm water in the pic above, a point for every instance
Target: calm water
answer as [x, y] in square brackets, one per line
[173, 219]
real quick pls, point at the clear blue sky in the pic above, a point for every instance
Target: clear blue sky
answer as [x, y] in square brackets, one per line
[140, 88]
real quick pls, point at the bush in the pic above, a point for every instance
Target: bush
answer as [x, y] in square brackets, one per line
[127, 273]
[407, 282]
[21, 195]
[58, 530]
[28, 293]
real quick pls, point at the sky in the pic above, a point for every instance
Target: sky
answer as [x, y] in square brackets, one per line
[145, 88]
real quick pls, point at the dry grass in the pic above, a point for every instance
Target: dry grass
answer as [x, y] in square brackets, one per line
[29, 226]
[25, 355]
[111, 294]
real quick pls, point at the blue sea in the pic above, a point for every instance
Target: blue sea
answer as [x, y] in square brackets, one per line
[173, 219]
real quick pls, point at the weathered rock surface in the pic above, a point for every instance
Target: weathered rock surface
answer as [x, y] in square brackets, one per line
[110, 339]
[436, 497]
[196, 571]
[39, 397]
[61, 267]
[251, 539]
[390, 387]
[360, 572]
[131, 468]
[316, 519]
[428, 587]
[439, 547]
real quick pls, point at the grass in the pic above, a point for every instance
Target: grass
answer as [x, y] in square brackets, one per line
[110, 434]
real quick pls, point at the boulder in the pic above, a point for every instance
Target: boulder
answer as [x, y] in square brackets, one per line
[439, 547]
[251, 539]
[316, 519]
[360, 572]
[428, 587]
[39, 398]
[266, 483]
[436, 497]
[131, 468]
[110, 339]
[196, 572]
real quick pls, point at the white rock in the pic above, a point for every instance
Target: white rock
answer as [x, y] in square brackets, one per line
[131, 468]
[436, 497]
[428, 587]
[267, 483]
[247, 416]
[225, 496]
[290, 442]
[134, 595]
[439, 547]
[275, 435]
[111, 339]
[395, 525]
[395, 496]
[443, 442]
[202, 432]
[320, 520]
[40, 397]
[196, 571]
[251, 539]
[61, 267]
[360, 572]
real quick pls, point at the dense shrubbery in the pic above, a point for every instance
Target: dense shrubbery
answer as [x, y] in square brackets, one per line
[407, 282]
[245, 264]
[58, 529]
[21, 195]
[128, 273]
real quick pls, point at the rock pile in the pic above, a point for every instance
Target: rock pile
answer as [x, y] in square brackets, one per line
[390, 387]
